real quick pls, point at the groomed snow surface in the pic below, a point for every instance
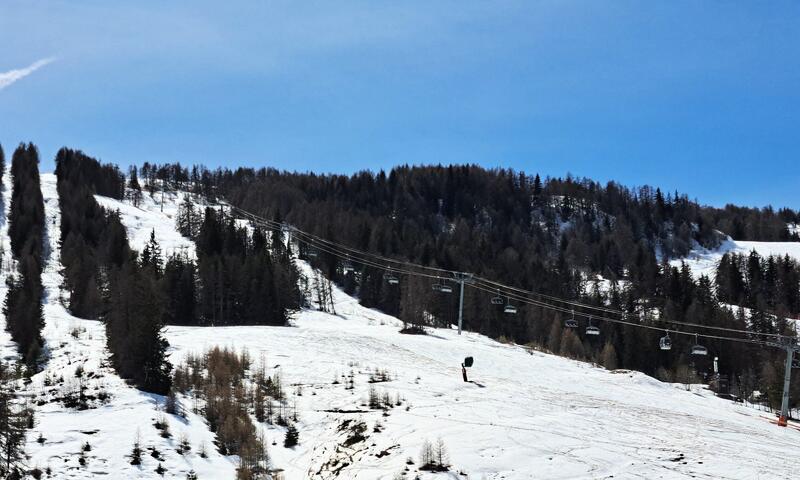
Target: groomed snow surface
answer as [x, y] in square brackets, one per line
[522, 416]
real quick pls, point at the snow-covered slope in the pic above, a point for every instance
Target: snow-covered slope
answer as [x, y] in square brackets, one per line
[110, 426]
[152, 215]
[703, 261]
[522, 415]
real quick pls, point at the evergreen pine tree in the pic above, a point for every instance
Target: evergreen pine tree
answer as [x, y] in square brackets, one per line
[292, 436]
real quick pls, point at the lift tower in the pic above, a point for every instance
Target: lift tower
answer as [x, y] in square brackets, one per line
[790, 345]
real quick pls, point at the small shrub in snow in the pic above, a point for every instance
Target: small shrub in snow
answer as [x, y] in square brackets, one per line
[162, 425]
[136, 453]
[155, 453]
[184, 446]
[202, 450]
[76, 332]
[171, 403]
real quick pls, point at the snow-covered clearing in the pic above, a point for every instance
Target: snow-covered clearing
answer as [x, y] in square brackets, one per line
[152, 214]
[704, 261]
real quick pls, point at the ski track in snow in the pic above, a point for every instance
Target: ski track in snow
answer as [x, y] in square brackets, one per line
[523, 416]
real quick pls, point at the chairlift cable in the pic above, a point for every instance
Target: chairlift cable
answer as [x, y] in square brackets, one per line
[625, 322]
[499, 286]
[407, 268]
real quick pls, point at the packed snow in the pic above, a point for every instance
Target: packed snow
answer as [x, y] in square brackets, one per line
[523, 414]
[704, 261]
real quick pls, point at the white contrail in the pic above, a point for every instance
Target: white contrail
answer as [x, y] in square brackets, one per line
[11, 76]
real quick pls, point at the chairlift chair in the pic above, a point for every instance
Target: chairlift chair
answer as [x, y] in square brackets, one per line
[391, 278]
[497, 299]
[665, 343]
[698, 349]
[591, 329]
[571, 322]
[510, 309]
[442, 287]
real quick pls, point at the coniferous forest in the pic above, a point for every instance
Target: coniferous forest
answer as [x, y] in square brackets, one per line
[239, 278]
[23, 302]
[555, 236]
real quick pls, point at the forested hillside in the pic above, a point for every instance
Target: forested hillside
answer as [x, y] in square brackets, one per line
[552, 236]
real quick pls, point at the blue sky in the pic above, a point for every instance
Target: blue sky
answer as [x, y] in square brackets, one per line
[702, 97]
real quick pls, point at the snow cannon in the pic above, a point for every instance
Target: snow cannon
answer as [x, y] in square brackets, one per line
[464, 366]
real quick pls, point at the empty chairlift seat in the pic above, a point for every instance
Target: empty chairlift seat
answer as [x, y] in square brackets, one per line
[442, 287]
[391, 279]
[665, 343]
[571, 322]
[591, 329]
[698, 349]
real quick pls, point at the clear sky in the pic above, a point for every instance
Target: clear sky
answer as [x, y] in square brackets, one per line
[702, 97]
